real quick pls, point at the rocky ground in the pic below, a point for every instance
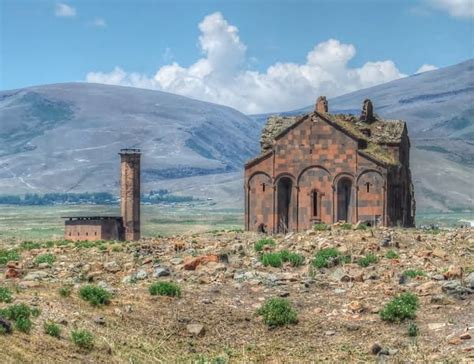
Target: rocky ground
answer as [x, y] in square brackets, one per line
[223, 283]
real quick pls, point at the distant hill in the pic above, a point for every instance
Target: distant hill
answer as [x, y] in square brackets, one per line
[65, 137]
[438, 107]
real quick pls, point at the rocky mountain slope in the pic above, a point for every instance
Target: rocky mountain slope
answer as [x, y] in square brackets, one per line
[224, 281]
[65, 137]
[438, 107]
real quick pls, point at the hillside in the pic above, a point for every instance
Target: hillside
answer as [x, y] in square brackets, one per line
[65, 137]
[223, 281]
[438, 107]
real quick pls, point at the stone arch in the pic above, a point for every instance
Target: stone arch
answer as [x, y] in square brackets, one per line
[259, 202]
[371, 197]
[314, 196]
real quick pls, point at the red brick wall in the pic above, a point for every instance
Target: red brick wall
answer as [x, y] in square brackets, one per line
[315, 155]
[92, 230]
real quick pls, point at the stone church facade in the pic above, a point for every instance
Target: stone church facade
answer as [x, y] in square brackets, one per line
[324, 168]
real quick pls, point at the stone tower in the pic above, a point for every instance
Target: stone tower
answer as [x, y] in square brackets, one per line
[130, 192]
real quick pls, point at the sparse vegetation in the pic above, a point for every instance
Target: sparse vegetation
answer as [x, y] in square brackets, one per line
[52, 329]
[413, 273]
[83, 339]
[413, 329]
[329, 257]
[8, 255]
[362, 227]
[5, 295]
[30, 245]
[346, 226]
[165, 289]
[64, 291]
[95, 295]
[259, 245]
[391, 254]
[369, 259]
[278, 258]
[47, 258]
[277, 312]
[400, 308]
[321, 227]
[20, 314]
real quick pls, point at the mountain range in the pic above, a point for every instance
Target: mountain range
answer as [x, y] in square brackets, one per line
[65, 137]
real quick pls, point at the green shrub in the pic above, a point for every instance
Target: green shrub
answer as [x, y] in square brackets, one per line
[95, 295]
[29, 245]
[413, 273]
[321, 227]
[21, 314]
[8, 255]
[45, 258]
[273, 259]
[52, 329]
[259, 245]
[367, 260]
[329, 256]
[64, 291]
[83, 339]
[400, 308]
[391, 254]
[413, 329]
[5, 295]
[362, 227]
[165, 289]
[346, 226]
[277, 312]
[23, 324]
[294, 258]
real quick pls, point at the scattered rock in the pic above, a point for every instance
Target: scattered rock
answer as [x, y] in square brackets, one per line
[386, 242]
[176, 261]
[5, 325]
[161, 272]
[453, 272]
[330, 333]
[438, 277]
[36, 276]
[456, 289]
[376, 348]
[112, 267]
[470, 280]
[465, 336]
[195, 329]
[440, 253]
[440, 299]
[141, 274]
[99, 320]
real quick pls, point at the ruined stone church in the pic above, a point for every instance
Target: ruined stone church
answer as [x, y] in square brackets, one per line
[325, 168]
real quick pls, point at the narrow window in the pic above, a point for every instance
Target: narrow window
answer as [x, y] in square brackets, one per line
[69, 233]
[368, 186]
[95, 233]
[263, 187]
[315, 203]
[87, 234]
[77, 234]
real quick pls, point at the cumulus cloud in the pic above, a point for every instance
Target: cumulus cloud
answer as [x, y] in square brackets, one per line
[455, 8]
[221, 75]
[426, 68]
[64, 10]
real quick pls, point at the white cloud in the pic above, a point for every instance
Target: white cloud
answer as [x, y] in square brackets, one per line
[455, 8]
[426, 68]
[221, 75]
[99, 23]
[64, 10]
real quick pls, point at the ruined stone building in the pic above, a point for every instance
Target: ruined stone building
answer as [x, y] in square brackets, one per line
[124, 227]
[324, 168]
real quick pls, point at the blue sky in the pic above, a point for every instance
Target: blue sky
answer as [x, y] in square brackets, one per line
[253, 55]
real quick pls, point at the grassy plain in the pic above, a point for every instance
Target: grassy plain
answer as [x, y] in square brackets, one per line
[45, 222]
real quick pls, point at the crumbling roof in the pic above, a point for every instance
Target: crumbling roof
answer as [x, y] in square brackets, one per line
[274, 126]
[376, 132]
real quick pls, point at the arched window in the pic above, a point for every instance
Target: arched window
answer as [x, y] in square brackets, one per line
[368, 186]
[314, 203]
[263, 187]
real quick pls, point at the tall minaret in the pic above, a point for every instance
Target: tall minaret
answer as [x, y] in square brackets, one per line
[130, 192]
